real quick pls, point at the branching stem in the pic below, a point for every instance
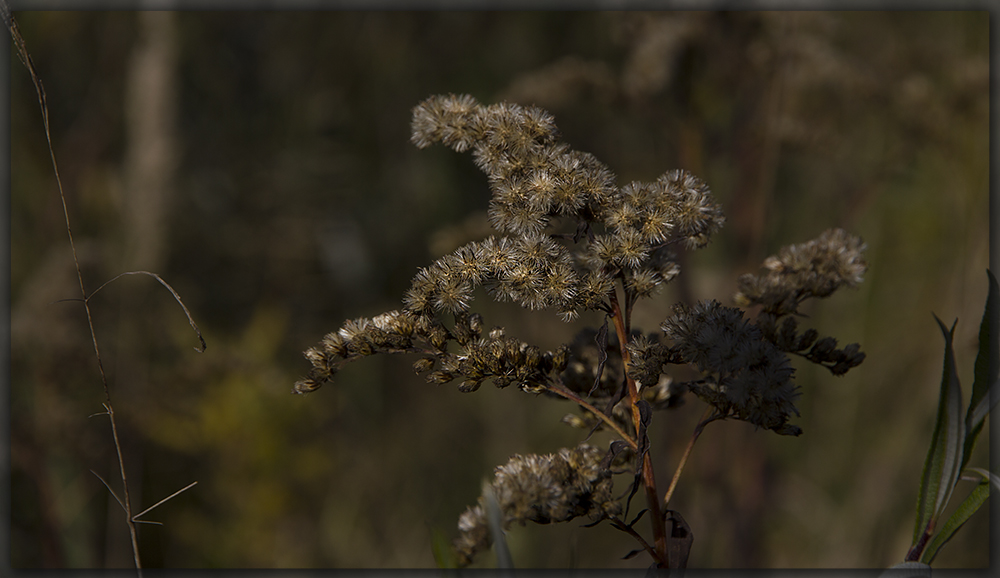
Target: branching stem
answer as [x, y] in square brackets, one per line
[565, 392]
[648, 477]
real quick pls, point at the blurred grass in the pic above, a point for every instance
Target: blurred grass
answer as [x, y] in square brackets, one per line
[298, 202]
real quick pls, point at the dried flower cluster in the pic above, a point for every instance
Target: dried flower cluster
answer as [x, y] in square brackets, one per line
[814, 269]
[746, 376]
[538, 186]
[494, 355]
[621, 233]
[746, 372]
[567, 239]
[543, 489]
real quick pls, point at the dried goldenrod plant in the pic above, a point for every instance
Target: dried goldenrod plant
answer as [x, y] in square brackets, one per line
[570, 239]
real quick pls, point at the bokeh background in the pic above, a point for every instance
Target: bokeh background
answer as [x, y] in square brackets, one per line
[260, 162]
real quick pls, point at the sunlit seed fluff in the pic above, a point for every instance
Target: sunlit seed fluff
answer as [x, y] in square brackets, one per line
[695, 213]
[315, 357]
[594, 288]
[334, 344]
[643, 282]
[522, 277]
[669, 270]
[525, 219]
[497, 255]
[560, 284]
[490, 160]
[449, 119]
[419, 297]
[621, 216]
[534, 299]
[569, 315]
[534, 249]
[453, 295]
[631, 250]
[353, 328]
[539, 124]
[467, 264]
[655, 225]
[602, 252]
[541, 191]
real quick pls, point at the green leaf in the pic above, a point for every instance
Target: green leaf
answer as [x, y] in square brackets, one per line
[985, 385]
[944, 456]
[970, 506]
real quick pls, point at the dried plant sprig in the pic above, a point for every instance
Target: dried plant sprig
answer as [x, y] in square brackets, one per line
[495, 356]
[535, 180]
[808, 344]
[543, 489]
[813, 269]
[627, 235]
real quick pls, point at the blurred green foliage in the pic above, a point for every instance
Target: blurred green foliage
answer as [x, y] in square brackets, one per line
[297, 201]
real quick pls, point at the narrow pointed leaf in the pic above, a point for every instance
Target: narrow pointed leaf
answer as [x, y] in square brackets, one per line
[496, 519]
[965, 510]
[944, 457]
[985, 383]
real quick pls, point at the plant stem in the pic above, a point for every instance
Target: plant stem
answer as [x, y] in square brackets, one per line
[705, 419]
[563, 391]
[631, 532]
[127, 501]
[648, 477]
[914, 554]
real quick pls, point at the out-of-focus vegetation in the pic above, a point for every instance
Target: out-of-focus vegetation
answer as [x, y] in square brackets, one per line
[284, 197]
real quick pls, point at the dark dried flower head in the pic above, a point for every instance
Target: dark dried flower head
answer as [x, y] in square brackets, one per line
[813, 269]
[543, 489]
[747, 377]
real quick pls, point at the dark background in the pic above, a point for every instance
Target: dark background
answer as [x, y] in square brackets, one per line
[260, 162]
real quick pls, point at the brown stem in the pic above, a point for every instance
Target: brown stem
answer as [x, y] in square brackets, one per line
[705, 419]
[914, 554]
[565, 392]
[648, 477]
[631, 532]
[125, 497]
